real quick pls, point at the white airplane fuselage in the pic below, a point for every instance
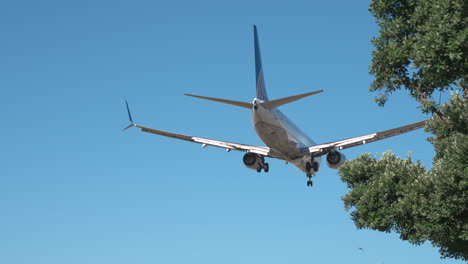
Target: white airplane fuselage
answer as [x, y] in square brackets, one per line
[282, 135]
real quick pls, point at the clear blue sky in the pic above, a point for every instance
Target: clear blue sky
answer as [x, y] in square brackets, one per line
[74, 188]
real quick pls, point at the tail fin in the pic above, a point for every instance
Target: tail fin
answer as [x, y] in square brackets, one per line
[260, 82]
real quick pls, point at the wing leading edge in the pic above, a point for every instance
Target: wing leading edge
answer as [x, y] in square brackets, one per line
[322, 149]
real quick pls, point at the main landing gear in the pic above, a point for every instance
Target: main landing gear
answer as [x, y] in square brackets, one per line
[312, 166]
[263, 166]
[309, 167]
[255, 162]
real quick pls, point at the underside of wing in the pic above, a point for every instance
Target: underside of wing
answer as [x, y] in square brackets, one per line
[322, 149]
[228, 146]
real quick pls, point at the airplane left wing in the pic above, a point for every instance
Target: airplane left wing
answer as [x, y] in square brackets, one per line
[228, 146]
[322, 149]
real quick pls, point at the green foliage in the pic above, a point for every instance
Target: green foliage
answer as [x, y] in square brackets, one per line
[422, 47]
[400, 195]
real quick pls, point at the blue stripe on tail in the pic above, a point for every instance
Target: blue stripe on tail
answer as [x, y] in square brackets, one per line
[260, 81]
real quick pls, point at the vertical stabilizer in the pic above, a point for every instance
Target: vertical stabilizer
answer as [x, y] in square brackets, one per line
[260, 82]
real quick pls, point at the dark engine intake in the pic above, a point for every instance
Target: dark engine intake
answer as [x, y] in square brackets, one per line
[335, 159]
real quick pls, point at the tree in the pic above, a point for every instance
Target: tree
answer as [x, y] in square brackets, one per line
[422, 48]
[400, 195]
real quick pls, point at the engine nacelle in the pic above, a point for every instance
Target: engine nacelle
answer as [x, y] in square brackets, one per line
[335, 159]
[251, 160]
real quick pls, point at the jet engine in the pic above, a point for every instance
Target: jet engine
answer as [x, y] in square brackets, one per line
[335, 159]
[255, 162]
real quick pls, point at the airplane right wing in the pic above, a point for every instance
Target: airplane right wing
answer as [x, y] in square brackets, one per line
[323, 149]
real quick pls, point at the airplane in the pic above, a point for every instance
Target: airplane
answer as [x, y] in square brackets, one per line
[283, 139]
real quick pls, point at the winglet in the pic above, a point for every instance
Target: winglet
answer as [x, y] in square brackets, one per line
[129, 117]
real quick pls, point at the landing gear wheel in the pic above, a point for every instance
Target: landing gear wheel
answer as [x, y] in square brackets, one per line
[308, 167]
[315, 166]
[266, 167]
[309, 182]
[259, 167]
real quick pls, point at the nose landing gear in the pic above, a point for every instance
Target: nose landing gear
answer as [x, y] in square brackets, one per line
[309, 182]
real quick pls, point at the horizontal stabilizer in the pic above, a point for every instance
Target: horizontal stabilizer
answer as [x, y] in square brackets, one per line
[286, 100]
[224, 101]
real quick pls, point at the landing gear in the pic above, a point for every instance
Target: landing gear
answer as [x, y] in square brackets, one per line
[309, 182]
[315, 166]
[312, 166]
[263, 166]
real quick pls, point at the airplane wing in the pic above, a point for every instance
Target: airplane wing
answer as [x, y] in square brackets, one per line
[228, 146]
[322, 149]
